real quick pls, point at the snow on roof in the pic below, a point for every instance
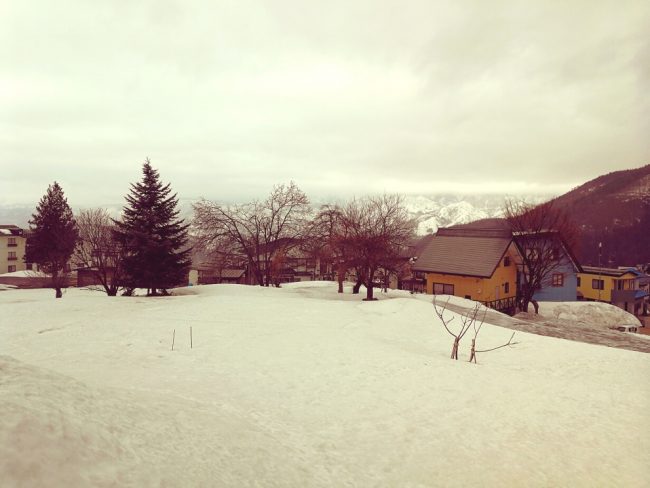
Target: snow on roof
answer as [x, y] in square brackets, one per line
[616, 272]
[10, 230]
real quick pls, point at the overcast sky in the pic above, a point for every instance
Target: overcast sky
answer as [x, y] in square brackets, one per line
[344, 97]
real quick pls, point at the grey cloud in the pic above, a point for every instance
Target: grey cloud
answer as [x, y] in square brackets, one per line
[342, 97]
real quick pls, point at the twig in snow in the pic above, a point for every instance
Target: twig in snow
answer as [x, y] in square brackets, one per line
[467, 322]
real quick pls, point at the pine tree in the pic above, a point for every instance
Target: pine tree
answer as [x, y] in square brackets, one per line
[155, 240]
[53, 235]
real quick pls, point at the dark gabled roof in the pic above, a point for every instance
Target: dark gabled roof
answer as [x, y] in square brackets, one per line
[416, 246]
[467, 255]
[232, 273]
[486, 224]
[470, 232]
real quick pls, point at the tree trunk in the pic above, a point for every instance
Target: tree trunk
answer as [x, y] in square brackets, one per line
[59, 293]
[111, 292]
[472, 356]
[369, 292]
[536, 305]
[340, 290]
[454, 349]
[357, 287]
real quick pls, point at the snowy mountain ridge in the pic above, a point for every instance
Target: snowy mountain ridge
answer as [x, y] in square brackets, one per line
[430, 211]
[434, 211]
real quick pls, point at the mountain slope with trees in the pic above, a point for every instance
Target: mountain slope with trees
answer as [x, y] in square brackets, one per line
[613, 209]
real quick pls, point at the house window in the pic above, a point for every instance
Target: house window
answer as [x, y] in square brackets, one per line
[579, 284]
[469, 297]
[506, 261]
[558, 279]
[506, 287]
[598, 284]
[12, 268]
[12, 242]
[12, 256]
[29, 266]
[443, 289]
[624, 284]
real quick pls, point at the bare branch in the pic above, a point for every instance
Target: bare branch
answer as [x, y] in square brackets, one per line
[509, 343]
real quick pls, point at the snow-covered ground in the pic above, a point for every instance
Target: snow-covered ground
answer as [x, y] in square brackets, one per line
[302, 387]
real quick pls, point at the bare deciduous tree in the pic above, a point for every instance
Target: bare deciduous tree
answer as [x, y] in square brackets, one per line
[98, 250]
[328, 237]
[256, 229]
[545, 236]
[377, 230]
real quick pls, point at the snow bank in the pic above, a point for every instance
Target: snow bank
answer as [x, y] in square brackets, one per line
[26, 274]
[302, 387]
[589, 313]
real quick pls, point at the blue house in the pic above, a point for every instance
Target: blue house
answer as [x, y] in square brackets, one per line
[559, 265]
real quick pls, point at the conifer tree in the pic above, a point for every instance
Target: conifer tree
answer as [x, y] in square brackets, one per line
[154, 239]
[53, 235]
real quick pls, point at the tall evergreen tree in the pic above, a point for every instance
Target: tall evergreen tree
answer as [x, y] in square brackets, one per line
[53, 235]
[154, 238]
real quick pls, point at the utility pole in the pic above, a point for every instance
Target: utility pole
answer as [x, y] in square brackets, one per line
[600, 282]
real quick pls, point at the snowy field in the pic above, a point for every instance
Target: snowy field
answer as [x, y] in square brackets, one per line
[301, 387]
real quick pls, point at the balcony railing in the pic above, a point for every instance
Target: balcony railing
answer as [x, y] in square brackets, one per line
[12, 258]
[504, 305]
[12, 244]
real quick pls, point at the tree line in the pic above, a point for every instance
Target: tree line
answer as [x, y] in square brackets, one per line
[146, 248]
[150, 247]
[366, 238]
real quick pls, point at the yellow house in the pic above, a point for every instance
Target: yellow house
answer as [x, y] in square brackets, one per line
[474, 263]
[620, 287]
[12, 249]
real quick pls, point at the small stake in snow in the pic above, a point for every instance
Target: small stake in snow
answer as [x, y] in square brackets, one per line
[173, 339]
[191, 344]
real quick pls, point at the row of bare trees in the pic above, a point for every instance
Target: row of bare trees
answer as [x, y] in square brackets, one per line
[365, 237]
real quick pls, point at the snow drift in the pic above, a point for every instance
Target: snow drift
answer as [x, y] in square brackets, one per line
[302, 387]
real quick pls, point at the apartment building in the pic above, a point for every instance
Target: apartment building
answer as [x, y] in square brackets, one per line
[12, 249]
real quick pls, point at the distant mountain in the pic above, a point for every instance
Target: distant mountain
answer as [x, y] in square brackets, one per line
[613, 209]
[434, 211]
